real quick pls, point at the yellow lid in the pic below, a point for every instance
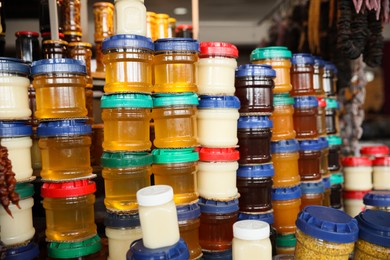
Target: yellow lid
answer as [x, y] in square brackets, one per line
[150, 14]
[162, 16]
[81, 44]
[172, 20]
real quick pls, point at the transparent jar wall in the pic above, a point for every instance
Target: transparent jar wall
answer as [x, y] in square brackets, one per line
[119, 240]
[285, 214]
[189, 231]
[283, 124]
[286, 169]
[14, 102]
[282, 68]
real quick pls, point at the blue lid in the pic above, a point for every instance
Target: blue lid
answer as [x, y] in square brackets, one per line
[328, 224]
[218, 207]
[323, 142]
[285, 146]
[310, 145]
[266, 217]
[217, 255]
[13, 65]
[162, 100]
[318, 61]
[123, 41]
[305, 101]
[63, 128]
[377, 198]
[254, 122]
[187, 212]
[138, 251]
[312, 187]
[288, 193]
[256, 171]
[30, 251]
[14, 129]
[374, 227]
[302, 59]
[176, 44]
[63, 65]
[215, 102]
[115, 220]
[330, 66]
[255, 70]
[326, 182]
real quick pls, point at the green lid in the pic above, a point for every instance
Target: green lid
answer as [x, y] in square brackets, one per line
[25, 190]
[331, 103]
[283, 99]
[271, 52]
[126, 100]
[334, 140]
[286, 240]
[162, 100]
[75, 249]
[161, 156]
[336, 178]
[126, 159]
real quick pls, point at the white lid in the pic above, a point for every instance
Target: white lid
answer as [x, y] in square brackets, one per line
[251, 230]
[155, 195]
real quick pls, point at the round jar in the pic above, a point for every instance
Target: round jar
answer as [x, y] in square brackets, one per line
[103, 13]
[321, 117]
[59, 88]
[312, 193]
[216, 67]
[16, 137]
[14, 84]
[329, 79]
[162, 21]
[64, 203]
[302, 75]
[334, 160]
[381, 173]
[336, 190]
[65, 150]
[377, 200]
[285, 155]
[124, 174]
[29, 251]
[174, 118]
[126, 120]
[184, 31]
[27, 46]
[325, 233]
[254, 139]
[54, 49]
[324, 156]
[318, 77]
[305, 117]
[216, 113]
[279, 58]
[254, 84]
[175, 65]
[309, 162]
[357, 173]
[88, 249]
[327, 191]
[282, 118]
[285, 244]
[373, 151]
[353, 202]
[216, 176]
[130, 17]
[128, 63]
[332, 116]
[151, 26]
[138, 250]
[82, 51]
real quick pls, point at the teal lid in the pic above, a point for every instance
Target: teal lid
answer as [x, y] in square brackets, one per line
[25, 190]
[126, 100]
[336, 178]
[286, 240]
[161, 156]
[271, 52]
[74, 249]
[162, 100]
[283, 99]
[332, 103]
[334, 140]
[126, 159]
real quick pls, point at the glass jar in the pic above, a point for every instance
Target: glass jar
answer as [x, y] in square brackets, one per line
[82, 51]
[334, 156]
[336, 190]
[285, 244]
[177, 168]
[128, 62]
[215, 113]
[124, 174]
[27, 46]
[377, 200]
[254, 139]
[327, 191]
[171, 27]
[151, 26]
[381, 173]
[324, 156]
[29, 251]
[282, 118]
[138, 250]
[332, 116]
[88, 249]
[330, 79]
[97, 144]
[285, 155]
[216, 66]
[305, 117]
[357, 173]
[55, 78]
[126, 120]
[302, 74]
[64, 203]
[65, 150]
[99, 57]
[325, 233]
[353, 202]
[184, 31]
[254, 85]
[373, 151]
[54, 49]
[103, 13]
[162, 25]
[71, 16]
[318, 76]
[309, 162]
[279, 58]
[175, 122]
[321, 118]
[175, 65]
[312, 193]
[130, 17]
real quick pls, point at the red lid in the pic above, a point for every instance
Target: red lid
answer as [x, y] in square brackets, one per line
[67, 189]
[218, 154]
[27, 33]
[374, 150]
[355, 194]
[321, 102]
[184, 27]
[381, 161]
[356, 161]
[218, 49]
[44, 34]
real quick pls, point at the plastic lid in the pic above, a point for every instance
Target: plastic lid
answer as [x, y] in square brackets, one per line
[326, 182]
[184, 27]
[217, 255]
[310, 145]
[138, 251]
[323, 142]
[312, 187]
[318, 61]
[126, 100]
[354, 194]
[285, 146]
[187, 212]
[223, 49]
[255, 70]
[161, 156]
[24, 189]
[26, 33]
[328, 224]
[215, 102]
[218, 207]
[126, 159]
[14, 129]
[381, 161]
[247, 122]
[283, 99]
[162, 16]
[305, 101]
[154, 195]
[286, 240]
[251, 229]
[332, 103]
[123, 41]
[63, 65]
[356, 161]
[334, 140]
[266, 217]
[176, 44]
[321, 102]
[162, 100]
[63, 128]
[271, 52]
[14, 65]
[218, 154]
[80, 44]
[302, 59]
[67, 189]
[336, 178]
[374, 227]
[29, 251]
[256, 171]
[74, 249]
[114, 220]
[46, 34]
[377, 198]
[288, 193]
[375, 150]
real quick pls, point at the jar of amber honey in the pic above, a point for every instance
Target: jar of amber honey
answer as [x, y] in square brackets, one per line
[301, 73]
[282, 118]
